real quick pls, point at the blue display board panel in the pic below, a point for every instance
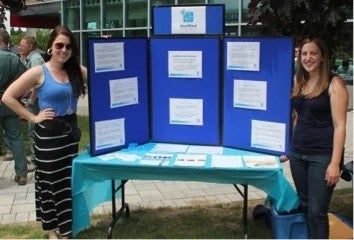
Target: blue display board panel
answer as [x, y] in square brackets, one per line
[135, 116]
[215, 19]
[206, 88]
[251, 128]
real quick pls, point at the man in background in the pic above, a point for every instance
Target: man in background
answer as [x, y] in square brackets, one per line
[10, 69]
[30, 58]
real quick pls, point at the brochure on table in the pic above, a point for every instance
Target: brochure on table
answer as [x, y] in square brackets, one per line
[191, 156]
[118, 93]
[257, 89]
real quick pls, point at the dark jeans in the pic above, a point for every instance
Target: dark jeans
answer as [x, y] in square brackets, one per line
[309, 173]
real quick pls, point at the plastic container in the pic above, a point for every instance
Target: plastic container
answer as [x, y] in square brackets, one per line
[288, 226]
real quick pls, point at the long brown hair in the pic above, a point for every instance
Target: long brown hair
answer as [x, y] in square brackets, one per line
[302, 76]
[72, 66]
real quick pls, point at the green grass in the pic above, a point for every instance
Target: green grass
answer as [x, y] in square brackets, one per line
[195, 222]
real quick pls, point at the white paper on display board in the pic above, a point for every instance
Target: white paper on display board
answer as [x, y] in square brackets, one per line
[268, 135]
[110, 133]
[109, 57]
[243, 56]
[188, 20]
[123, 92]
[185, 111]
[250, 94]
[185, 64]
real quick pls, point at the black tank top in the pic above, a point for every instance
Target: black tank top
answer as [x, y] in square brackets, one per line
[313, 132]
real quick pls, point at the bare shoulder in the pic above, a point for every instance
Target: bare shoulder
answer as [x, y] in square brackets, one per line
[34, 74]
[84, 71]
[337, 86]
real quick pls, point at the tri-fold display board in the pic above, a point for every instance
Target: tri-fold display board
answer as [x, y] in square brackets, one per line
[207, 90]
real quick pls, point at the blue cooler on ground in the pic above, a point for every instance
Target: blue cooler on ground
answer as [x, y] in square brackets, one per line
[288, 226]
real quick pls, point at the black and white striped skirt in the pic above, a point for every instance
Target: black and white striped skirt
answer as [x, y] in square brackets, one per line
[54, 151]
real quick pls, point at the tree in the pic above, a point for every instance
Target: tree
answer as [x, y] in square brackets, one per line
[42, 36]
[14, 6]
[306, 18]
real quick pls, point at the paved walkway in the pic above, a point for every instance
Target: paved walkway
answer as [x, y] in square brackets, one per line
[17, 202]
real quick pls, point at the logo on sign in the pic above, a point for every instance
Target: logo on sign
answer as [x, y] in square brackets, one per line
[188, 16]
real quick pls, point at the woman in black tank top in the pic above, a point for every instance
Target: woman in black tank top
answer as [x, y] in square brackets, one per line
[319, 101]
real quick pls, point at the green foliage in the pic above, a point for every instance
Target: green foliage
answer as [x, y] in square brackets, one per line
[304, 18]
[42, 37]
[16, 36]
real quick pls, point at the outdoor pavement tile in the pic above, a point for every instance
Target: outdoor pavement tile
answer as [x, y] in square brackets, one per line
[169, 194]
[133, 198]
[160, 203]
[169, 203]
[234, 197]
[145, 186]
[6, 200]
[150, 195]
[221, 190]
[198, 201]
[23, 208]
[145, 204]
[180, 202]
[198, 185]
[20, 197]
[8, 218]
[223, 198]
[194, 192]
[13, 188]
[32, 216]
[21, 217]
[5, 209]
[212, 199]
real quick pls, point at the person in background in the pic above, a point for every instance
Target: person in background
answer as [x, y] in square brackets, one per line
[319, 101]
[30, 58]
[58, 84]
[345, 70]
[10, 69]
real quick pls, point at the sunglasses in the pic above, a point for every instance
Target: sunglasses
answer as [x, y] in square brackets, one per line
[59, 46]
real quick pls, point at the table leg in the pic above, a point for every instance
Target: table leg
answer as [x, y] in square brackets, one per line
[124, 206]
[244, 194]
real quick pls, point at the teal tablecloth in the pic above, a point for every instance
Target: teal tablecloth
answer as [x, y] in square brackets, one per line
[91, 181]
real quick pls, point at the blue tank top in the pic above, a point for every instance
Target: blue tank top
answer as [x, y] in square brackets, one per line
[56, 95]
[313, 132]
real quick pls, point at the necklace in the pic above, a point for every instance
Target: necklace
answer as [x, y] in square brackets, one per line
[68, 90]
[69, 109]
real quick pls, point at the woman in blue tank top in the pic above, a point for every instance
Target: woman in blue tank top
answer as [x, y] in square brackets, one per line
[58, 83]
[319, 101]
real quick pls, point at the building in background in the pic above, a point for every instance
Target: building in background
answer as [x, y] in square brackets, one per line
[122, 18]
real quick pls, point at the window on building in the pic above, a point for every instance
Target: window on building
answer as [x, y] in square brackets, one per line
[112, 14]
[72, 14]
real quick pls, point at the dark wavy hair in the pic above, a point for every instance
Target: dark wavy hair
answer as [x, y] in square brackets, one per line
[72, 66]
